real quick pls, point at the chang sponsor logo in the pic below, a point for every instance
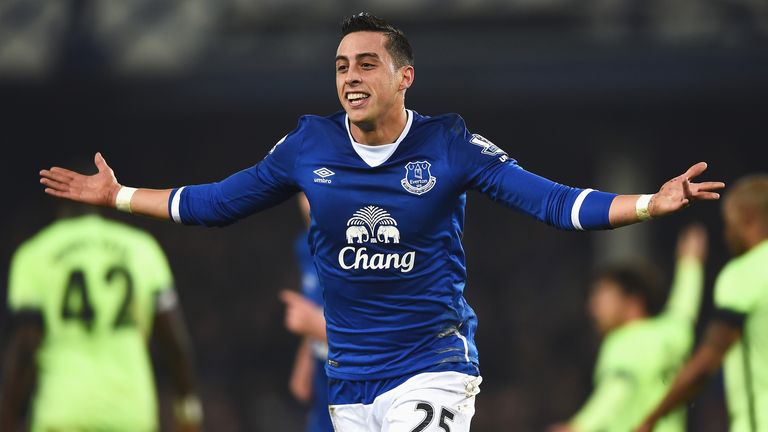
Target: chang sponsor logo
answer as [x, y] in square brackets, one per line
[371, 225]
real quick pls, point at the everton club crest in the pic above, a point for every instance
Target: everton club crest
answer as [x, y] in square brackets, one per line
[418, 179]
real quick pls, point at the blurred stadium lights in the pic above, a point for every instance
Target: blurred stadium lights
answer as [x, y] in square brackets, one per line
[153, 36]
[160, 37]
[140, 37]
[29, 35]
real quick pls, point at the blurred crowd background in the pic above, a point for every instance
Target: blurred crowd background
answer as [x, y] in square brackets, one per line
[618, 95]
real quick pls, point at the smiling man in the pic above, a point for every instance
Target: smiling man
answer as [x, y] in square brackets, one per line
[387, 187]
[371, 82]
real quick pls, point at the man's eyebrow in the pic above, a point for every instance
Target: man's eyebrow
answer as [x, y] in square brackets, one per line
[358, 56]
[367, 54]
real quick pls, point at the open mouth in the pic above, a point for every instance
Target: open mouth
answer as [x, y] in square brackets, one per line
[357, 99]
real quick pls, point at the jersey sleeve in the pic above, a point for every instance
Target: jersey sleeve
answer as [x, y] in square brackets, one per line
[617, 374]
[736, 290]
[687, 286]
[609, 397]
[251, 190]
[485, 167]
[24, 288]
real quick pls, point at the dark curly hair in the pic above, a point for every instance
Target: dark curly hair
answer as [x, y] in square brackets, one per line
[397, 44]
[637, 279]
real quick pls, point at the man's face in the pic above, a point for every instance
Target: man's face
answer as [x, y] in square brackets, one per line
[607, 303]
[367, 80]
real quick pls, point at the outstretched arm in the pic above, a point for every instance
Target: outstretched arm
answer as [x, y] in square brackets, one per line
[719, 337]
[572, 208]
[102, 189]
[685, 296]
[674, 195]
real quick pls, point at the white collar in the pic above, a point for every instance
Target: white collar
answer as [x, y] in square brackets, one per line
[375, 155]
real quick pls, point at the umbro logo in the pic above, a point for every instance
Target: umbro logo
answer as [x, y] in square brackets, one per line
[323, 173]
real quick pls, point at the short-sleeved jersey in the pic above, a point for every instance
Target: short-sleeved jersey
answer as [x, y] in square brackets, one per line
[386, 239]
[638, 362]
[742, 289]
[95, 282]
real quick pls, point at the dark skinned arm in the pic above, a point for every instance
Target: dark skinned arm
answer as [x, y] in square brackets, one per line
[20, 372]
[705, 362]
[172, 338]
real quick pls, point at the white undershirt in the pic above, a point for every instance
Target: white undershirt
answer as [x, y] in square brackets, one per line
[375, 155]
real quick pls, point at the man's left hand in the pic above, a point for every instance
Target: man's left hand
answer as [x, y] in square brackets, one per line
[681, 191]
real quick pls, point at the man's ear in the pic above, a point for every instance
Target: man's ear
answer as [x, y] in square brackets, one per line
[636, 302]
[408, 75]
[747, 216]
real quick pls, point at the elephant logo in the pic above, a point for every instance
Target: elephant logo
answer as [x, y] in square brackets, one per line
[363, 223]
[357, 232]
[418, 178]
[386, 233]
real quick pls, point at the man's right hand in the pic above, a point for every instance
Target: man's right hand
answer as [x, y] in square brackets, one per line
[302, 317]
[98, 189]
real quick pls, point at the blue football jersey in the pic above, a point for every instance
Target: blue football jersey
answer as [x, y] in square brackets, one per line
[386, 239]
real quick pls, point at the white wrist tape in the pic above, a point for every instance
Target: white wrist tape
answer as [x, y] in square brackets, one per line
[641, 207]
[123, 199]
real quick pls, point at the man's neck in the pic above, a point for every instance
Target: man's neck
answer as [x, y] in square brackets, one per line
[756, 236]
[633, 314]
[386, 131]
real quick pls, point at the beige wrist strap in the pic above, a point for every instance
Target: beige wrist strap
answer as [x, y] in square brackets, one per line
[641, 207]
[123, 199]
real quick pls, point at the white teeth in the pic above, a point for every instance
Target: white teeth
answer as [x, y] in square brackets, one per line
[356, 96]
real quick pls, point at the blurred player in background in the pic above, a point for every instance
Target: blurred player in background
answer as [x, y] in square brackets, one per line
[304, 317]
[85, 295]
[738, 334]
[643, 345]
[387, 187]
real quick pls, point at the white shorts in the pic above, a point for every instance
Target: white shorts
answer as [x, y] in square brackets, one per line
[427, 402]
